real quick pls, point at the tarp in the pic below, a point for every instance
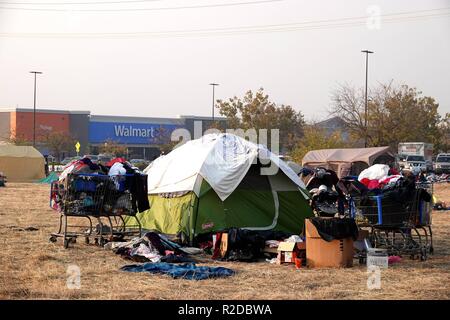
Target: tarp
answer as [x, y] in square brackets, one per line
[53, 176]
[187, 271]
[183, 168]
[341, 160]
[21, 163]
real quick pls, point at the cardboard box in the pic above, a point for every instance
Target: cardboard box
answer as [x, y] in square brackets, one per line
[288, 251]
[223, 245]
[320, 253]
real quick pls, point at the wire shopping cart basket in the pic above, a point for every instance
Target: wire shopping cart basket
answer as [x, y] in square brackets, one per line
[396, 221]
[108, 200]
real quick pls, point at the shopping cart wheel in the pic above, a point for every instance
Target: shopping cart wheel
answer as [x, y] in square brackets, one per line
[103, 241]
[66, 243]
[86, 240]
[52, 239]
[423, 255]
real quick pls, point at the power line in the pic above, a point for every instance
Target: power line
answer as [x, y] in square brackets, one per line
[75, 3]
[217, 5]
[287, 27]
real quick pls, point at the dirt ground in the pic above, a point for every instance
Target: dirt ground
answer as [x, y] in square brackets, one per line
[34, 268]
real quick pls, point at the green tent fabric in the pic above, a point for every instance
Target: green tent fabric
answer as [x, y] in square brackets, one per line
[53, 176]
[168, 215]
[259, 203]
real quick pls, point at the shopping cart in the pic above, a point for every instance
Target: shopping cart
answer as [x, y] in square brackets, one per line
[108, 200]
[423, 216]
[394, 222]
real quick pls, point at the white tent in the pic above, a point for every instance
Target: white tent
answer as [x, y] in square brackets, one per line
[184, 168]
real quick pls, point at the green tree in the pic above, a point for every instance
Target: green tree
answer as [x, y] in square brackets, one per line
[316, 138]
[256, 111]
[58, 143]
[112, 147]
[443, 145]
[163, 141]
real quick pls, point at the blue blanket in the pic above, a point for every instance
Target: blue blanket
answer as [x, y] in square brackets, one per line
[185, 271]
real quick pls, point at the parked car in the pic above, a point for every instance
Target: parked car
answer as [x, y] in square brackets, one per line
[70, 159]
[429, 165]
[140, 163]
[93, 157]
[442, 163]
[414, 162]
[105, 158]
[416, 149]
[401, 161]
[50, 158]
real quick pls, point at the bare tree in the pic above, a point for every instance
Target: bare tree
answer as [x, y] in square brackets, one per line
[395, 114]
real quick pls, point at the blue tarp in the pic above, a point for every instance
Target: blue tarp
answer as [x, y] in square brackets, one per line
[185, 271]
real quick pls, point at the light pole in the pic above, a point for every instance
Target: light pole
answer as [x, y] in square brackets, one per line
[365, 108]
[34, 108]
[213, 87]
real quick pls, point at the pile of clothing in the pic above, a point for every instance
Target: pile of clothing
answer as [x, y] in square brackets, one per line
[400, 195]
[377, 180]
[82, 166]
[153, 247]
[442, 178]
[86, 187]
[159, 255]
[379, 176]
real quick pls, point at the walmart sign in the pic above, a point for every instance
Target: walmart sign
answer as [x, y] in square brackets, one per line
[130, 133]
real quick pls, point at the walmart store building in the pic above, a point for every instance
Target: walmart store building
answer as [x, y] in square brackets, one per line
[143, 136]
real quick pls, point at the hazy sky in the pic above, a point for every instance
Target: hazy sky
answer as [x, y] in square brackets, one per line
[154, 63]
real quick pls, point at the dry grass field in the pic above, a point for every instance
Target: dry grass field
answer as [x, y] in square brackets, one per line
[34, 268]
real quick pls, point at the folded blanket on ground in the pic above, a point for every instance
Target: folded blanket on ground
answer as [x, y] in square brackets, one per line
[185, 271]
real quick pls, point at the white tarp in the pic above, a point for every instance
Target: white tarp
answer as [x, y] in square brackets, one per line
[221, 159]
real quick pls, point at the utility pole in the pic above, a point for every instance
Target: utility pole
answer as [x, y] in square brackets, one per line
[34, 108]
[366, 112]
[213, 101]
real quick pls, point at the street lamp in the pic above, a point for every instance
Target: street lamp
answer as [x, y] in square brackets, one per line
[365, 108]
[213, 87]
[34, 108]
